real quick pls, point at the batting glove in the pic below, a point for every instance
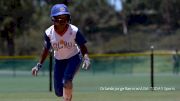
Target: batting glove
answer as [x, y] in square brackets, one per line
[36, 69]
[86, 62]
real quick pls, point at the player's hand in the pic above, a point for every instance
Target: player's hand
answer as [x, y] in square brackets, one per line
[86, 62]
[35, 69]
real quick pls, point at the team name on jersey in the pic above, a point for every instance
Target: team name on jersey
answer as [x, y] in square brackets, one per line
[62, 44]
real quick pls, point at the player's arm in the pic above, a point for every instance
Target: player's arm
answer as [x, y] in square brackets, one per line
[83, 49]
[43, 56]
[80, 40]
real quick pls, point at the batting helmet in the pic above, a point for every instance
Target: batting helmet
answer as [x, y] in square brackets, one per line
[59, 9]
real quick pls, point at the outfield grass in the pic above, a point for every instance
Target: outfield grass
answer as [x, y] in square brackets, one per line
[94, 96]
[88, 87]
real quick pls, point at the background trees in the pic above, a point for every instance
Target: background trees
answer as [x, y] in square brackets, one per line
[15, 19]
[23, 23]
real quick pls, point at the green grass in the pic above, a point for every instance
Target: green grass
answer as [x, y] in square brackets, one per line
[95, 84]
[87, 87]
[94, 96]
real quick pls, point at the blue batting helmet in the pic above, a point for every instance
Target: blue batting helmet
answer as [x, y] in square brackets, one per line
[59, 9]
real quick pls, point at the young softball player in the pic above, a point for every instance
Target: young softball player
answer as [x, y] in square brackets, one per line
[69, 49]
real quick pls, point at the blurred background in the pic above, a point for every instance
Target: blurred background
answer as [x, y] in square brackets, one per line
[110, 26]
[120, 36]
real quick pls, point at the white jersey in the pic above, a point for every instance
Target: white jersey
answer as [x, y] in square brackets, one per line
[64, 46]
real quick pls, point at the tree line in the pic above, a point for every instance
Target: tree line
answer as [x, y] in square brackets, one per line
[23, 23]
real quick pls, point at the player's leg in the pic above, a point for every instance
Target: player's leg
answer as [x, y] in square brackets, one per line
[59, 69]
[67, 90]
[71, 69]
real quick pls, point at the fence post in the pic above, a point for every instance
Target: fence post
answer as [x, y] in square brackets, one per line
[152, 68]
[50, 70]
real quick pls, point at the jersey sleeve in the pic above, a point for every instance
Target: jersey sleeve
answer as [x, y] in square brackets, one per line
[80, 40]
[47, 43]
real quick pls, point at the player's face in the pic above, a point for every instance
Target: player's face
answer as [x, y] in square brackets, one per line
[60, 20]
